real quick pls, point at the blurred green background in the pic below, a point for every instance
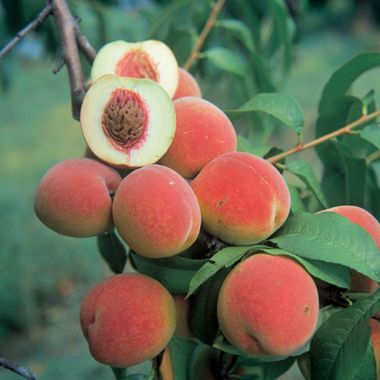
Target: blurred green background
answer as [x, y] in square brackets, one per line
[43, 276]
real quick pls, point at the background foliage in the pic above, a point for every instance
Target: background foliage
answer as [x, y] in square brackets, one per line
[255, 47]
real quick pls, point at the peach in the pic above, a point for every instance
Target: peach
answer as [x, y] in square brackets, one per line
[127, 122]
[203, 132]
[149, 59]
[361, 217]
[127, 319]
[375, 340]
[243, 198]
[156, 212]
[268, 305]
[74, 197]
[187, 85]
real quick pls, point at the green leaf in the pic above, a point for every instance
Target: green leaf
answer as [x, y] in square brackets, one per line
[203, 314]
[334, 274]
[112, 251]
[244, 145]
[340, 344]
[371, 134]
[255, 369]
[282, 36]
[226, 60]
[122, 374]
[333, 102]
[181, 351]
[331, 238]
[238, 29]
[304, 171]
[296, 203]
[367, 367]
[261, 72]
[283, 107]
[222, 259]
[175, 273]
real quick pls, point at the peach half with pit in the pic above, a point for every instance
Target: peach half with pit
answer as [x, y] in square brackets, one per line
[127, 122]
[149, 59]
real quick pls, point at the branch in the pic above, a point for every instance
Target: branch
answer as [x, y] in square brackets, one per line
[46, 11]
[66, 27]
[17, 369]
[342, 131]
[84, 45]
[202, 37]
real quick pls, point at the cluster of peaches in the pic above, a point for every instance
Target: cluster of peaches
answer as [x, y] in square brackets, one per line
[162, 164]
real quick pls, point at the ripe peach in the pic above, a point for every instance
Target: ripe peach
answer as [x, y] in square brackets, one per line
[127, 319]
[203, 132]
[74, 197]
[187, 85]
[243, 198]
[375, 339]
[127, 122]
[149, 59]
[268, 305]
[361, 217]
[156, 212]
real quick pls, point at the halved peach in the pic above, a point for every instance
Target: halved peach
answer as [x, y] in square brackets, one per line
[150, 59]
[127, 122]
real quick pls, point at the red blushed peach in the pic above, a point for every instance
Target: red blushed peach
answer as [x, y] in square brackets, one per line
[361, 217]
[73, 198]
[268, 305]
[187, 85]
[243, 198]
[375, 340]
[156, 212]
[203, 132]
[127, 319]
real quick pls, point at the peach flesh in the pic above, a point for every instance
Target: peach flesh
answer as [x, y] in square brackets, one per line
[268, 305]
[127, 319]
[125, 118]
[137, 63]
[243, 198]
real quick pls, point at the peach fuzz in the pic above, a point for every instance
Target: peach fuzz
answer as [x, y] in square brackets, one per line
[156, 212]
[203, 132]
[73, 198]
[127, 319]
[268, 305]
[187, 85]
[243, 198]
[375, 340]
[361, 217]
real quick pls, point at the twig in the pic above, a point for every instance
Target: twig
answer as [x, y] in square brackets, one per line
[206, 30]
[59, 66]
[344, 130]
[66, 27]
[84, 45]
[17, 369]
[46, 11]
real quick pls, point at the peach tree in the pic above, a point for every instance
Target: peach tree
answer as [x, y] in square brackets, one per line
[232, 258]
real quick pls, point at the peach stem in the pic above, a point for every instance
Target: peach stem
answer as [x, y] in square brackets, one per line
[344, 130]
[202, 37]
